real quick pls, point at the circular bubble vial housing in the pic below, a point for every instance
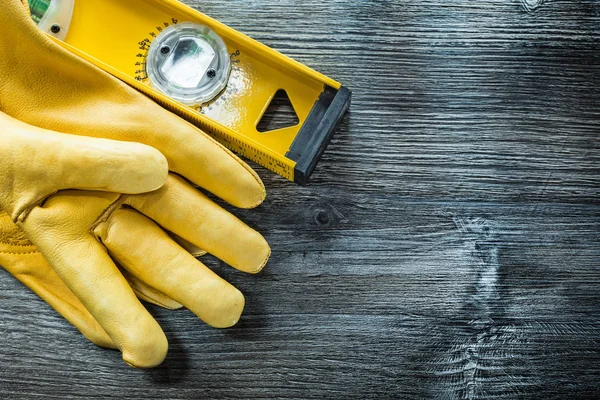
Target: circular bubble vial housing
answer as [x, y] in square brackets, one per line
[189, 63]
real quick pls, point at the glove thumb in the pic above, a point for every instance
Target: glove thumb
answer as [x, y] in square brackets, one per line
[37, 163]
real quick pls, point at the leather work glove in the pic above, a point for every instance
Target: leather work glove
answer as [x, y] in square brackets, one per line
[76, 198]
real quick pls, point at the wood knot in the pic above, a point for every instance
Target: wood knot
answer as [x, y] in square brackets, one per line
[326, 215]
[322, 217]
[531, 5]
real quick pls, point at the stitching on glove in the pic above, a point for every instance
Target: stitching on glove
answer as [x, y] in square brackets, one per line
[260, 268]
[9, 243]
[20, 253]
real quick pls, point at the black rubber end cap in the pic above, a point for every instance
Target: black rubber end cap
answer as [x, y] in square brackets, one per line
[317, 131]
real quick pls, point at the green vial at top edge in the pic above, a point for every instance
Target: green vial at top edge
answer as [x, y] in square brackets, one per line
[38, 9]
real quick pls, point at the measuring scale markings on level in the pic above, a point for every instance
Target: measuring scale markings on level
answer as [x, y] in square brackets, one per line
[209, 74]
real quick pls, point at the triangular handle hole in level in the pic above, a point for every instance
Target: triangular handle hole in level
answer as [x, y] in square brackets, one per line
[280, 114]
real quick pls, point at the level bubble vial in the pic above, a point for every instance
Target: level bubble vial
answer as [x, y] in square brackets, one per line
[188, 62]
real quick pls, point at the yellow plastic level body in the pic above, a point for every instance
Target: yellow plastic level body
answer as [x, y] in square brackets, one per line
[115, 35]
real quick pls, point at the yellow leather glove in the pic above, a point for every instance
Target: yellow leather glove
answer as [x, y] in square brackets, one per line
[80, 232]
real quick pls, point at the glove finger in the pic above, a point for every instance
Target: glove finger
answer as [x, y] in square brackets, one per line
[85, 267]
[151, 295]
[22, 260]
[200, 221]
[166, 266]
[201, 159]
[64, 161]
[147, 293]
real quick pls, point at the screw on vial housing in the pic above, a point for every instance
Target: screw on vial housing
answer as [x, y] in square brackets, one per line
[188, 62]
[52, 16]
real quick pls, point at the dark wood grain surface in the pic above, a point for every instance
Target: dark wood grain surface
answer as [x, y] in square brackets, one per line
[448, 246]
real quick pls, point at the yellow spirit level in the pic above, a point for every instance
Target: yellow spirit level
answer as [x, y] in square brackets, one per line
[213, 76]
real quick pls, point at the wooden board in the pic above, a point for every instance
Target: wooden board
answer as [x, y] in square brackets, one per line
[448, 246]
